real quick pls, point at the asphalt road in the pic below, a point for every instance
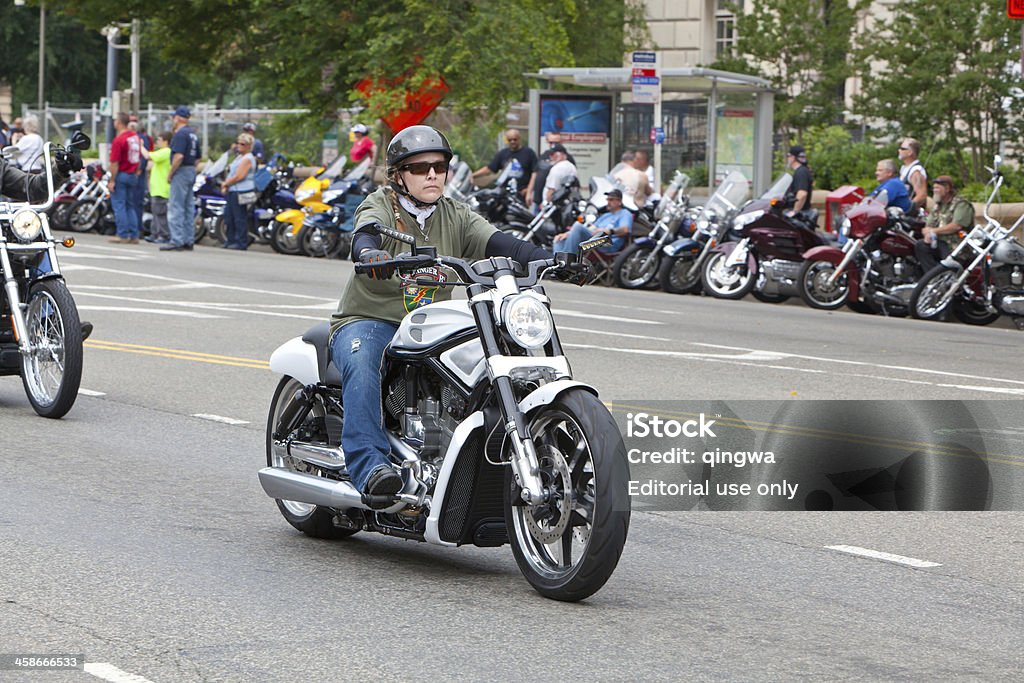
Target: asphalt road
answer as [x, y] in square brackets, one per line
[134, 530]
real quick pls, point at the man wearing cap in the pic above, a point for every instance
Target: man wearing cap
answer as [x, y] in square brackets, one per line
[803, 180]
[616, 222]
[362, 144]
[942, 229]
[561, 170]
[184, 153]
[257, 144]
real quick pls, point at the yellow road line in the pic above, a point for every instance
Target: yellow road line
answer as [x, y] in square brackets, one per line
[177, 354]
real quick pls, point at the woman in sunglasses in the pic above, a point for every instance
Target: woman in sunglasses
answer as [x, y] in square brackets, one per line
[371, 307]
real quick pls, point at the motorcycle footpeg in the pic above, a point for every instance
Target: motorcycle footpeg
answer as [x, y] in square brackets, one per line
[378, 502]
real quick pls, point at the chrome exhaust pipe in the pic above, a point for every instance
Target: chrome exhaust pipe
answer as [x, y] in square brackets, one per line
[328, 457]
[284, 484]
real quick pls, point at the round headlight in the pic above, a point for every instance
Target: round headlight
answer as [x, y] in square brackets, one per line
[528, 321]
[26, 225]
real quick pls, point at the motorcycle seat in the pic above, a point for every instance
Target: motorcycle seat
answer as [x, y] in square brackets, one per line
[319, 336]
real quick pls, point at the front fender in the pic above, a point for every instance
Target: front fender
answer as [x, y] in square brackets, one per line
[681, 246]
[546, 394]
[825, 253]
[297, 359]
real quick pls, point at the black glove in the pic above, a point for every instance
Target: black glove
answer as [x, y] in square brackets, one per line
[67, 162]
[577, 273]
[382, 265]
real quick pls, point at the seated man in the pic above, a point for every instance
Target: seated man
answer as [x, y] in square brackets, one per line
[616, 222]
[942, 229]
[887, 175]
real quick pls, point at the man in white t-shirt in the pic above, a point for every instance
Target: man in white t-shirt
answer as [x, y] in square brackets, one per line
[562, 170]
[633, 179]
[913, 173]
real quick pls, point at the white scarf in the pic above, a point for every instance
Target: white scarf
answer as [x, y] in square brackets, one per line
[421, 215]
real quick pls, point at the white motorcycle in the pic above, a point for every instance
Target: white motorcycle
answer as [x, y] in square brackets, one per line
[40, 331]
[496, 442]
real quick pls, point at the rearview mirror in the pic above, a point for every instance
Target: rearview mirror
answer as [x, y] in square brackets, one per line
[80, 141]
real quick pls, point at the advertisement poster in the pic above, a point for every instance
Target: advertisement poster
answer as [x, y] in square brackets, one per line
[585, 124]
[734, 150]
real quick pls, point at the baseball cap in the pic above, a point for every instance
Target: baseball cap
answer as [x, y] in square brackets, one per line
[944, 180]
[184, 112]
[614, 193]
[248, 125]
[797, 150]
[360, 128]
[558, 147]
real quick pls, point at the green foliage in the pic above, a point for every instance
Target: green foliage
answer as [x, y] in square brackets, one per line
[947, 76]
[698, 175]
[801, 47]
[836, 159]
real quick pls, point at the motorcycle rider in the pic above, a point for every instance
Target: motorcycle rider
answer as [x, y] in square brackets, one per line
[913, 173]
[803, 179]
[941, 232]
[886, 173]
[372, 307]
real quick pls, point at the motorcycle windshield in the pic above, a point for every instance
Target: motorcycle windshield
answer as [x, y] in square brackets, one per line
[334, 170]
[215, 168]
[779, 187]
[358, 172]
[730, 195]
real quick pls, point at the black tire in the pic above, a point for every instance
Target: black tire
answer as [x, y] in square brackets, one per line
[973, 313]
[929, 291]
[52, 372]
[628, 267]
[311, 520]
[200, 227]
[59, 215]
[574, 435]
[812, 283]
[769, 298]
[865, 307]
[217, 230]
[283, 242]
[721, 283]
[320, 243]
[84, 215]
[677, 275]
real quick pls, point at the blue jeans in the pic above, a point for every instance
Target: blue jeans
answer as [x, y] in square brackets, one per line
[579, 234]
[123, 202]
[358, 352]
[236, 223]
[181, 206]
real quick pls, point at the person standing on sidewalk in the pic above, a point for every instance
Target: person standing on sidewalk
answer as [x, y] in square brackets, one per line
[159, 188]
[239, 187]
[125, 157]
[180, 208]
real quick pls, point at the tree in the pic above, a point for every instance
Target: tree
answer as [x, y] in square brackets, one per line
[943, 70]
[802, 47]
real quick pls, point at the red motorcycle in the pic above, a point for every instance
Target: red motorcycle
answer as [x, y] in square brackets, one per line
[769, 253]
[874, 271]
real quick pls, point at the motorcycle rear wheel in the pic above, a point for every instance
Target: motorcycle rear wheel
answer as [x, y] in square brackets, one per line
[568, 547]
[52, 371]
[724, 282]
[924, 302]
[59, 215]
[83, 217]
[629, 270]
[310, 519]
[677, 275]
[814, 289]
[973, 313]
[283, 241]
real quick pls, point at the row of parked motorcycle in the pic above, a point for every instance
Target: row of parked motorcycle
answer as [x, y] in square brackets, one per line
[311, 216]
[731, 246]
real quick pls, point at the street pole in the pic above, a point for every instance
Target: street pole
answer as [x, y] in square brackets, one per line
[42, 50]
[111, 78]
[136, 95]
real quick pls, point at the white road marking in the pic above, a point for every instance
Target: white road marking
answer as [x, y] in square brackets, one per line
[694, 355]
[562, 328]
[105, 257]
[109, 672]
[220, 418]
[630, 308]
[155, 311]
[888, 557]
[594, 316]
[90, 392]
[204, 306]
[152, 288]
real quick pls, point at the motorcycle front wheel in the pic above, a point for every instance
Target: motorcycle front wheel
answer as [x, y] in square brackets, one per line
[321, 242]
[59, 215]
[567, 547]
[925, 301]
[677, 275]
[727, 282]
[310, 519]
[52, 370]
[283, 241]
[815, 290]
[629, 268]
[973, 313]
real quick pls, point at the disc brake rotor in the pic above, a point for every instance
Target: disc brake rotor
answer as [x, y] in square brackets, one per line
[548, 521]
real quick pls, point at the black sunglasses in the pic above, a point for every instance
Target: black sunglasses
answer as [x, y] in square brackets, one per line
[423, 167]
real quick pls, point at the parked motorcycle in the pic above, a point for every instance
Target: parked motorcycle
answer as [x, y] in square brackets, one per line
[874, 271]
[638, 263]
[502, 205]
[497, 443]
[208, 200]
[66, 197]
[309, 195]
[767, 258]
[565, 208]
[40, 331]
[93, 209]
[982, 279]
[459, 184]
[683, 260]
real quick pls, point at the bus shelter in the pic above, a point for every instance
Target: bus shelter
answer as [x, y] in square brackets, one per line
[713, 121]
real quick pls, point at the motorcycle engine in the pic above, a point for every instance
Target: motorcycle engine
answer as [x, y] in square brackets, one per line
[1008, 281]
[428, 429]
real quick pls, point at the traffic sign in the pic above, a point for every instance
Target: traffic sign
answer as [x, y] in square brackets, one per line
[645, 77]
[106, 106]
[1015, 9]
